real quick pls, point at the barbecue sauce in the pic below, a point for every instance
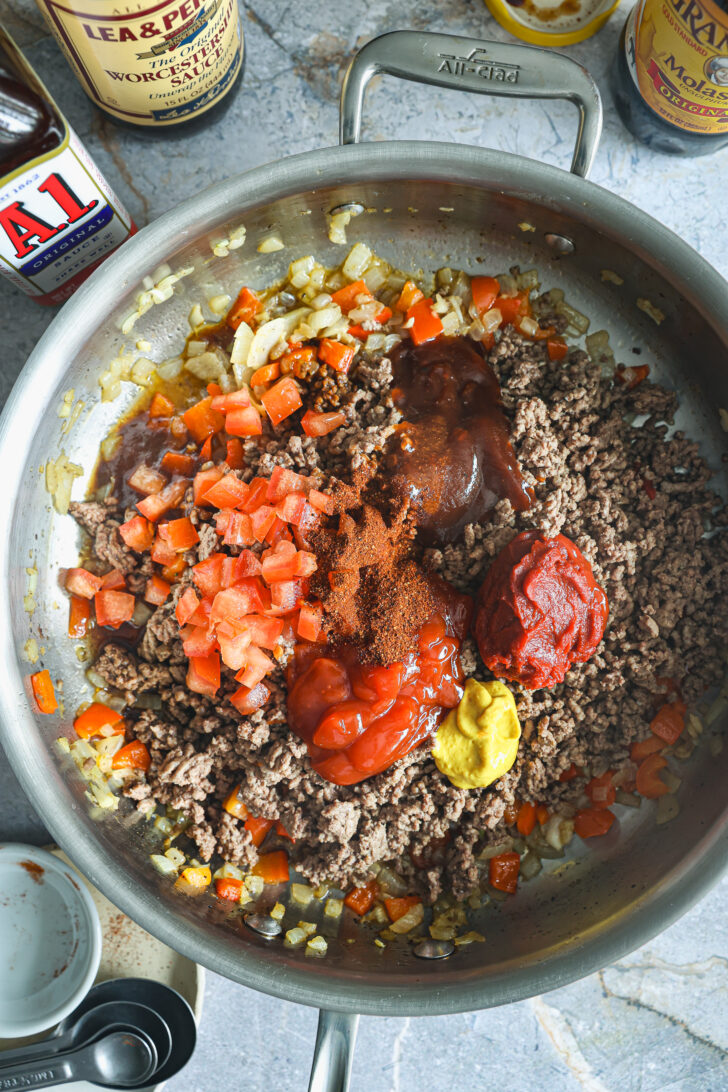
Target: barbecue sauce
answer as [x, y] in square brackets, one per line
[451, 455]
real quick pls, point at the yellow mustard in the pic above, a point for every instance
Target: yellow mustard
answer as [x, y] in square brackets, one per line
[478, 741]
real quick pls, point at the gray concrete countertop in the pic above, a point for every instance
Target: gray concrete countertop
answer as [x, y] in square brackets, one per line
[658, 1019]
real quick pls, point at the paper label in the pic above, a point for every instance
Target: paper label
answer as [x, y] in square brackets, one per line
[677, 52]
[58, 217]
[151, 63]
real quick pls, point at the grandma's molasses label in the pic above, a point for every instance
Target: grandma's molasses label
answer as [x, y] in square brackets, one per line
[150, 63]
[677, 52]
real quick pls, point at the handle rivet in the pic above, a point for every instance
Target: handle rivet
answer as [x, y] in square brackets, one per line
[262, 924]
[434, 949]
[353, 207]
[561, 244]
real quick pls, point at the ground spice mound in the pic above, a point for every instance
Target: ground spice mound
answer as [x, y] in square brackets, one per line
[371, 587]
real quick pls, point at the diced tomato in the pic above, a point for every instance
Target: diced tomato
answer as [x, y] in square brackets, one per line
[227, 887]
[669, 721]
[526, 819]
[239, 531]
[347, 297]
[361, 899]
[309, 623]
[113, 580]
[94, 718]
[187, 604]
[281, 400]
[257, 666]
[246, 421]
[234, 457]
[203, 674]
[503, 872]
[207, 574]
[79, 616]
[257, 495]
[174, 462]
[134, 756]
[198, 641]
[204, 480]
[266, 374]
[261, 521]
[138, 534]
[337, 356]
[202, 420]
[556, 348]
[601, 791]
[228, 492]
[113, 608]
[156, 590]
[321, 424]
[593, 822]
[156, 505]
[398, 907]
[145, 480]
[648, 781]
[82, 582]
[409, 295]
[161, 406]
[272, 867]
[247, 701]
[322, 502]
[283, 481]
[485, 292]
[644, 747]
[426, 325]
[245, 308]
[44, 692]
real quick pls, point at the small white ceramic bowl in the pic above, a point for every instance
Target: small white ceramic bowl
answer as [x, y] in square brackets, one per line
[50, 940]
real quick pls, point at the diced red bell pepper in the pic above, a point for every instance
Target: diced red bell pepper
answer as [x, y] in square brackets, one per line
[234, 457]
[248, 701]
[234, 603]
[203, 674]
[337, 356]
[556, 348]
[233, 650]
[503, 872]
[285, 595]
[227, 887]
[258, 828]
[82, 582]
[134, 756]
[281, 400]
[138, 534]
[246, 564]
[44, 692]
[485, 292]
[648, 780]
[526, 819]
[601, 791]
[162, 553]
[206, 450]
[94, 718]
[321, 424]
[146, 481]
[361, 899]
[113, 580]
[348, 296]
[174, 462]
[283, 481]
[261, 521]
[322, 502]
[512, 307]
[161, 406]
[593, 822]
[207, 574]
[239, 531]
[79, 616]
[409, 296]
[233, 400]
[156, 591]
[291, 508]
[426, 325]
[246, 421]
[180, 534]
[245, 308]
[266, 374]
[202, 420]
[264, 631]
[644, 747]
[228, 492]
[204, 480]
[257, 495]
[398, 907]
[113, 608]
[187, 604]
[309, 623]
[669, 721]
[168, 498]
[257, 666]
[272, 867]
[198, 641]
[570, 773]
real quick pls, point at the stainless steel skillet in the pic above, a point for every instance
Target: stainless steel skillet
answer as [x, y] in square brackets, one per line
[425, 205]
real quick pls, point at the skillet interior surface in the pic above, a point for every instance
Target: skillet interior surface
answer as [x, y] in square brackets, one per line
[427, 206]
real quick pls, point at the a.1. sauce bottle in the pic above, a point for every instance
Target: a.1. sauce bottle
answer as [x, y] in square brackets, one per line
[59, 217]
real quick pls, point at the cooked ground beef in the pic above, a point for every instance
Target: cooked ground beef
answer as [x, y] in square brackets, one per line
[587, 459]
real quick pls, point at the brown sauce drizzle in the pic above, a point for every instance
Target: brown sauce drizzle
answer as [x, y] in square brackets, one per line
[451, 455]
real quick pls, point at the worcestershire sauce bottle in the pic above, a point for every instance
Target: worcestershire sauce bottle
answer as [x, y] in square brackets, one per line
[671, 78]
[58, 216]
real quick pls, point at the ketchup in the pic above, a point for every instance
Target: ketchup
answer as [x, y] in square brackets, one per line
[539, 610]
[358, 718]
[452, 455]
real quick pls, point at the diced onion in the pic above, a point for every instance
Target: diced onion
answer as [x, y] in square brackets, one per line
[317, 946]
[356, 261]
[301, 893]
[270, 244]
[667, 808]
[409, 920]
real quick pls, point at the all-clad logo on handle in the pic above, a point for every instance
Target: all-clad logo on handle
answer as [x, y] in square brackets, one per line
[478, 63]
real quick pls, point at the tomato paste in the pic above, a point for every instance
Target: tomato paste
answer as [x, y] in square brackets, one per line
[358, 718]
[539, 611]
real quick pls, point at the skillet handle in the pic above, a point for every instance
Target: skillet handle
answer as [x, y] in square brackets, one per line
[333, 1052]
[469, 64]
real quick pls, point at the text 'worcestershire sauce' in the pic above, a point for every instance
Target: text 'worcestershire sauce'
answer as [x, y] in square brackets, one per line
[58, 216]
[451, 455]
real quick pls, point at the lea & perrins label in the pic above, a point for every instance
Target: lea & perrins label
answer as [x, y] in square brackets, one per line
[149, 63]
